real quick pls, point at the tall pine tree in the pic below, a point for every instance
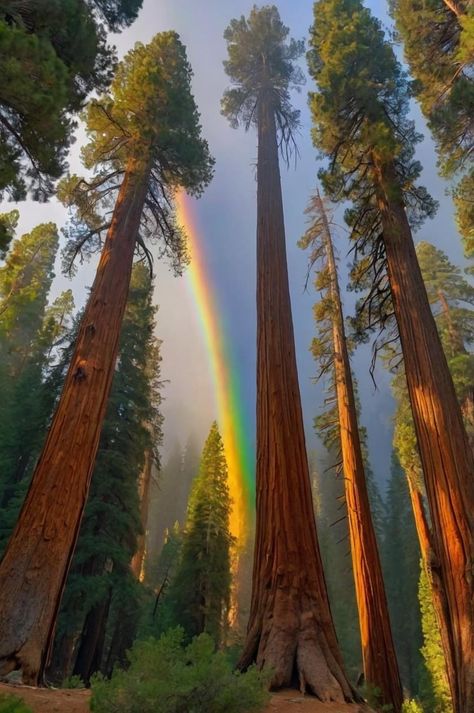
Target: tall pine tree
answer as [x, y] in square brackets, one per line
[200, 591]
[290, 629]
[111, 526]
[362, 125]
[145, 143]
[331, 350]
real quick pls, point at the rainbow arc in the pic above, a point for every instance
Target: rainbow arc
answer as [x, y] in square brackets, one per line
[224, 374]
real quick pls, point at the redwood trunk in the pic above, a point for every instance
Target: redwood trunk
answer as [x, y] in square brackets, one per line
[35, 565]
[91, 647]
[446, 456]
[378, 650]
[290, 630]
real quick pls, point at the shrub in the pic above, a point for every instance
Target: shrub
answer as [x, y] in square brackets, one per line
[72, 682]
[412, 707]
[12, 704]
[166, 677]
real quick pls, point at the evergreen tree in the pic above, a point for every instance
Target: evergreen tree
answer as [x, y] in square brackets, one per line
[112, 525]
[400, 558]
[362, 125]
[328, 496]
[290, 629]
[331, 350]
[65, 42]
[438, 39]
[200, 591]
[437, 697]
[145, 143]
[26, 338]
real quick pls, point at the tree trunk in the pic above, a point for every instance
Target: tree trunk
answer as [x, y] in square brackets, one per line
[138, 560]
[432, 568]
[35, 565]
[91, 647]
[290, 629]
[378, 650]
[446, 457]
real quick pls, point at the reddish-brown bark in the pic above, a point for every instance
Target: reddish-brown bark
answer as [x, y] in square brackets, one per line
[138, 559]
[35, 565]
[290, 629]
[445, 453]
[378, 650]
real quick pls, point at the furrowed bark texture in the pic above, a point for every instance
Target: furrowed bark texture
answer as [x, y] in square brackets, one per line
[35, 565]
[445, 453]
[290, 628]
[378, 650]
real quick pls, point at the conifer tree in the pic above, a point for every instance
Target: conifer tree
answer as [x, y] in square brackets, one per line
[437, 698]
[25, 281]
[438, 40]
[65, 43]
[400, 558]
[362, 125]
[200, 591]
[331, 351]
[145, 143]
[333, 534]
[111, 527]
[290, 629]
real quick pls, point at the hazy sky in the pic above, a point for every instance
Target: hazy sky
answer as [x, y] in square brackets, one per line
[226, 216]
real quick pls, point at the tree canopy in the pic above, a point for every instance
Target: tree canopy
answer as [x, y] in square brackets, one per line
[53, 53]
[149, 118]
[261, 59]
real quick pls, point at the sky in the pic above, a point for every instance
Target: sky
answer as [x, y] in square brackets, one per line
[226, 218]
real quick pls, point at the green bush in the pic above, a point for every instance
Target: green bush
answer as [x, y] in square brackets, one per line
[72, 682]
[412, 707]
[166, 677]
[12, 704]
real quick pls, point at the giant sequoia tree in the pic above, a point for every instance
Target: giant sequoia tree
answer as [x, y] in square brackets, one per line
[331, 350]
[290, 628]
[145, 142]
[111, 525]
[362, 125]
[52, 54]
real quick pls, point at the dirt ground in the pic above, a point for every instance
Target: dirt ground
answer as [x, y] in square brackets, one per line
[43, 700]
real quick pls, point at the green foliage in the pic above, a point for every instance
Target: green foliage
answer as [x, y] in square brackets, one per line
[411, 707]
[73, 682]
[361, 120]
[333, 535]
[437, 697]
[400, 561]
[30, 336]
[439, 49]
[200, 592]
[261, 61]
[12, 704]
[52, 54]
[8, 223]
[165, 677]
[463, 196]
[148, 121]
[107, 540]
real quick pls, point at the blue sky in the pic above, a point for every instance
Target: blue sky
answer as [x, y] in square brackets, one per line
[226, 215]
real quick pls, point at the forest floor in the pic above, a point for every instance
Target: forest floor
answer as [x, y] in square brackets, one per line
[44, 700]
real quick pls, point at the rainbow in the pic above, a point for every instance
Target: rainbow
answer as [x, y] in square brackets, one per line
[230, 414]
